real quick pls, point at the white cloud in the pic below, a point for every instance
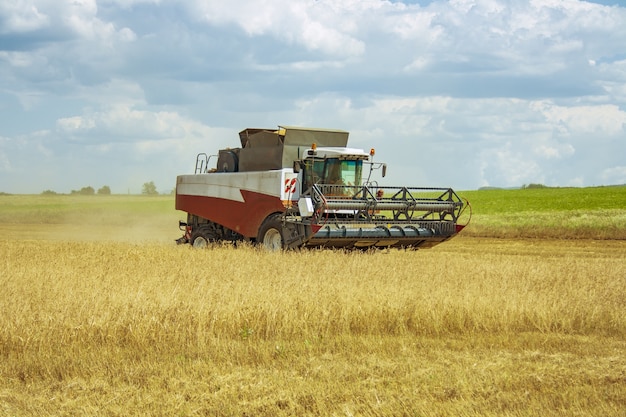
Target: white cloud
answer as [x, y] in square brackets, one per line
[21, 16]
[607, 119]
[614, 175]
[416, 25]
[122, 123]
[75, 123]
[127, 35]
[554, 152]
[318, 26]
[507, 167]
[462, 93]
[127, 4]
[81, 16]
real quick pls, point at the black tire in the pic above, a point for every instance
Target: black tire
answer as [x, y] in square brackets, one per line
[203, 236]
[199, 242]
[271, 235]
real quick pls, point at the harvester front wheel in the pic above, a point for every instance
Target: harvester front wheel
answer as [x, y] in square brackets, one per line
[271, 234]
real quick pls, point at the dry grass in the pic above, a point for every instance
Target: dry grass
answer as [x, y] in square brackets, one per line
[472, 327]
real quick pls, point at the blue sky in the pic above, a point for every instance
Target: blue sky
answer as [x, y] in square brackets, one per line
[463, 93]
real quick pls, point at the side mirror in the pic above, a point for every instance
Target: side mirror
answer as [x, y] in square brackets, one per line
[297, 166]
[384, 170]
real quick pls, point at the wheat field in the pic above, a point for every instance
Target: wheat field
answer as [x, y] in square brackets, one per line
[102, 315]
[473, 327]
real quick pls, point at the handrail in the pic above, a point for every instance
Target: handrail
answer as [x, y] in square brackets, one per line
[202, 164]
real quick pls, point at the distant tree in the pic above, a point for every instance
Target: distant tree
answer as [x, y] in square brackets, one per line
[532, 186]
[105, 190]
[85, 191]
[149, 188]
[48, 192]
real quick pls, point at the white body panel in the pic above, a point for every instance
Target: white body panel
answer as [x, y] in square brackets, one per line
[283, 184]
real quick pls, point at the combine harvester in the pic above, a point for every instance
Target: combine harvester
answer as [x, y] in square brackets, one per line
[298, 187]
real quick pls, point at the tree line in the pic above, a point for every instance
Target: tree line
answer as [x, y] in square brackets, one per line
[148, 188]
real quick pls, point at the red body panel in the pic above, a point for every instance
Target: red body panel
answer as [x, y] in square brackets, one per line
[244, 218]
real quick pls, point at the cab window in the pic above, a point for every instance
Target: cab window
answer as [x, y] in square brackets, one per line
[332, 171]
[343, 172]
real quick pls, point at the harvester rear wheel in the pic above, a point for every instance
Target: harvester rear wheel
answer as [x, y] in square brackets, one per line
[200, 242]
[271, 234]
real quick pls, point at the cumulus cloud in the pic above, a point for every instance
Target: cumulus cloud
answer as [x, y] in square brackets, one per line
[463, 93]
[55, 19]
[614, 175]
[21, 17]
[509, 168]
[122, 123]
[554, 151]
[607, 120]
[317, 26]
[127, 4]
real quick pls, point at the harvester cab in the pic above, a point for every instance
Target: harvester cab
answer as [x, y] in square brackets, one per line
[332, 166]
[294, 187]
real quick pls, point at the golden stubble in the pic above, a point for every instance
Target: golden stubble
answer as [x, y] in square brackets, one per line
[473, 327]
